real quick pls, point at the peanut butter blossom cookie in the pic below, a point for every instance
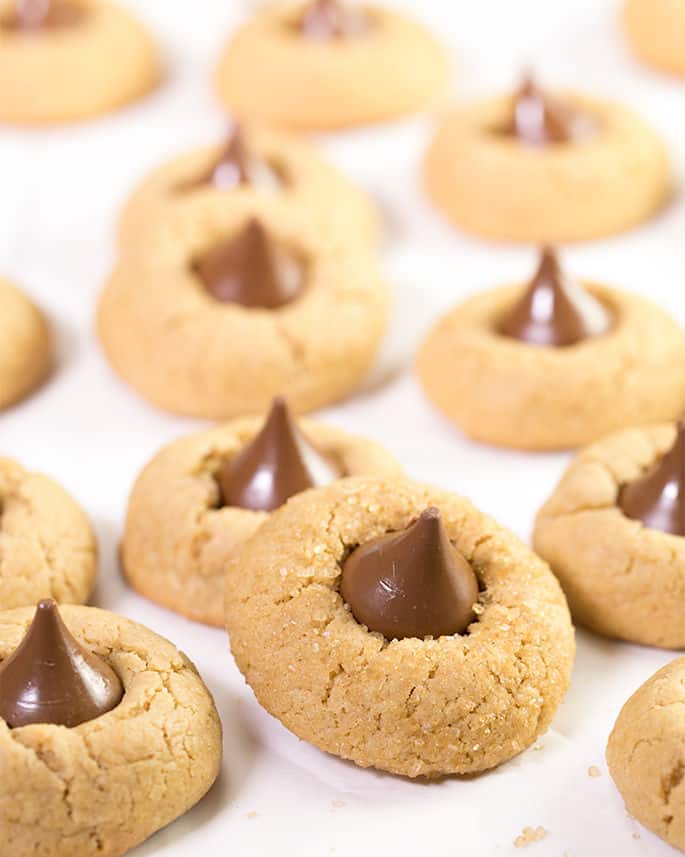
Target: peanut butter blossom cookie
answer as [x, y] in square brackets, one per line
[645, 753]
[107, 732]
[202, 496]
[554, 363]
[537, 167]
[48, 546]
[25, 347]
[64, 60]
[256, 169]
[329, 64]
[393, 624]
[656, 32]
[614, 534]
[217, 320]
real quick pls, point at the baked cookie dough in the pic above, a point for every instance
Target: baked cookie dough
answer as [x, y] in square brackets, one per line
[645, 753]
[278, 71]
[656, 32]
[85, 58]
[622, 578]
[418, 707]
[47, 546]
[510, 393]
[26, 347]
[279, 171]
[179, 534]
[104, 786]
[206, 354]
[612, 175]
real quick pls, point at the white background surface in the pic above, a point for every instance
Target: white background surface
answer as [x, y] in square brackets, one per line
[59, 198]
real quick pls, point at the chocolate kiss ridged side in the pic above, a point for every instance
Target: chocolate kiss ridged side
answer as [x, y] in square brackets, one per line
[414, 583]
[331, 19]
[537, 119]
[554, 310]
[250, 270]
[278, 463]
[658, 498]
[52, 678]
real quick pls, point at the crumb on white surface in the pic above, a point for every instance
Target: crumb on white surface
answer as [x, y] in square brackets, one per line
[337, 804]
[251, 814]
[594, 771]
[529, 835]
[636, 835]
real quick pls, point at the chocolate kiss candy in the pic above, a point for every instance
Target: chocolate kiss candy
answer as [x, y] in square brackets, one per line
[250, 270]
[537, 119]
[330, 19]
[658, 498]
[52, 678]
[232, 167]
[411, 584]
[554, 310]
[34, 14]
[278, 463]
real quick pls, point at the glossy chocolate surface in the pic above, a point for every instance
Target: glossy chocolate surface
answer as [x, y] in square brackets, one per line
[237, 166]
[52, 678]
[32, 15]
[658, 497]
[412, 583]
[278, 463]
[251, 269]
[554, 310]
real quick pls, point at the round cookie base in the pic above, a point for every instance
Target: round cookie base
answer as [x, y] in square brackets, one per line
[511, 394]
[66, 74]
[645, 753]
[177, 540]
[416, 707]
[156, 753]
[621, 579]
[495, 187]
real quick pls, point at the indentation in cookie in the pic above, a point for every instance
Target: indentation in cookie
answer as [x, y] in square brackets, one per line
[251, 269]
[278, 463]
[412, 583]
[52, 678]
[554, 310]
[658, 497]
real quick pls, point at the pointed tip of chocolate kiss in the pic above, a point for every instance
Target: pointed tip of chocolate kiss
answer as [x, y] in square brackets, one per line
[548, 122]
[52, 678]
[250, 269]
[276, 464]
[412, 583]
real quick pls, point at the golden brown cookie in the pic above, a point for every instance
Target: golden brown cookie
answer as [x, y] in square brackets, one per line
[656, 31]
[88, 57]
[291, 178]
[108, 784]
[419, 707]
[48, 546]
[510, 393]
[645, 753]
[273, 73]
[26, 347]
[193, 353]
[490, 183]
[179, 535]
[622, 578]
